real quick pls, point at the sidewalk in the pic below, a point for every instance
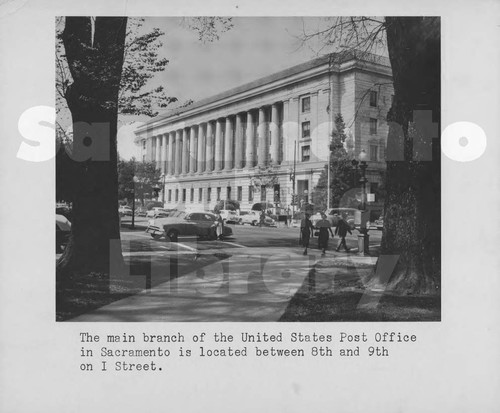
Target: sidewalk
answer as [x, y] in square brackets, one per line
[250, 285]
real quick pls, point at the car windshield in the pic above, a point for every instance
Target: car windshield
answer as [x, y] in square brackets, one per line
[200, 216]
[177, 214]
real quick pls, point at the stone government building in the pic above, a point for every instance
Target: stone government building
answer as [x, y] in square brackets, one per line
[210, 150]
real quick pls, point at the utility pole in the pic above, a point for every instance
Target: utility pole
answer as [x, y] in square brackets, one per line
[328, 179]
[292, 177]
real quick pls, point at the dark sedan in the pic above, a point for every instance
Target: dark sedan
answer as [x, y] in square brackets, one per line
[200, 224]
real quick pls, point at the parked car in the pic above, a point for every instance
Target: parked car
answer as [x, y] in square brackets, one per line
[63, 231]
[125, 210]
[333, 215]
[379, 223]
[201, 224]
[157, 210]
[229, 217]
[253, 218]
[63, 210]
[141, 211]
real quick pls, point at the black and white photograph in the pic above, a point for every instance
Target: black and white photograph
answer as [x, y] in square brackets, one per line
[259, 206]
[248, 169]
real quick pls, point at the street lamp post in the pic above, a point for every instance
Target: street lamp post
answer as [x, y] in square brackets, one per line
[292, 177]
[163, 190]
[363, 237]
[134, 181]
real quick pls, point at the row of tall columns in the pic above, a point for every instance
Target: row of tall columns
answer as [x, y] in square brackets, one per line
[223, 144]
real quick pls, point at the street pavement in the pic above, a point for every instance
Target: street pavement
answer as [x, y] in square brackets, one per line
[254, 276]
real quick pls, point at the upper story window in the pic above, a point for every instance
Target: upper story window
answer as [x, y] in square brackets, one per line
[306, 130]
[373, 153]
[218, 193]
[373, 126]
[250, 193]
[209, 194]
[306, 153]
[144, 144]
[200, 194]
[240, 194]
[373, 98]
[306, 104]
[263, 192]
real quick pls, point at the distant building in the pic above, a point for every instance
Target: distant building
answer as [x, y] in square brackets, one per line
[211, 150]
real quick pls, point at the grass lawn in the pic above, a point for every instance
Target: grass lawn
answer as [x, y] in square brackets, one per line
[80, 293]
[336, 292]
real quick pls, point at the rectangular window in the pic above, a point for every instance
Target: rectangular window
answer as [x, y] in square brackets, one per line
[250, 193]
[169, 195]
[373, 98]
[200, 194]
[209, 194]
[191, 196]
[218, 193]
[228, 192]
[184, 195]
[143, 144]
[373, 153]
[176, 195]
[306, 104]
[306, 153]
[276, 193]
[240, 193]
[306, 129]
[263, 193]
[373, 126]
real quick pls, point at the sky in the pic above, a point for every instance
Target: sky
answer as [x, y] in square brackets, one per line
[253, 48]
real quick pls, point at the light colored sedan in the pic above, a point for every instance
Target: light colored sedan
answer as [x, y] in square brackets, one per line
[201, 224]
[253, 218]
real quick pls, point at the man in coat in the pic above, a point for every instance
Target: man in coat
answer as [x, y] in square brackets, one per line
[342, 229]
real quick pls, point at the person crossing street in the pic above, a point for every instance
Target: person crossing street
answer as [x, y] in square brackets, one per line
[342, 230]
[325, 229]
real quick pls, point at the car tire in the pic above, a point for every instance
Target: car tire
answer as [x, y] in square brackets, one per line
[173, 235]
[254, 223]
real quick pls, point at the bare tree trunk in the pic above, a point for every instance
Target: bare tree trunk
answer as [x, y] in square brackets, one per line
[413, 203]
[92, 99]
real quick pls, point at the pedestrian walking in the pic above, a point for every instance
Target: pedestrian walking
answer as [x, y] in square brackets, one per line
[306, 232]
[219, 225]
[325, 229]
[342, 229]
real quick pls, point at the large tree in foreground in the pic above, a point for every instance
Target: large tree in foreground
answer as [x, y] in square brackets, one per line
[413, 181]
[95, 54]
[413, 204]
[103, 69]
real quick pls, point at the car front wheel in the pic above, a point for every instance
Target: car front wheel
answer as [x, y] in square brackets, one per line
[173, 235]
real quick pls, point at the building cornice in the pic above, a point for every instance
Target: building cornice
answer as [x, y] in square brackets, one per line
[281, 80]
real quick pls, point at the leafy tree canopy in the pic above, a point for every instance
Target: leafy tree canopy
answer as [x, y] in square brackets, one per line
[140, 177]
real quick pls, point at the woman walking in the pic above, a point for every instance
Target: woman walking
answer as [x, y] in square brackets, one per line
[325, 229]
[306, 232]
[219, 229]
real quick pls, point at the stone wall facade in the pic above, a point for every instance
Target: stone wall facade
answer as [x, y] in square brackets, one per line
[211, 150]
